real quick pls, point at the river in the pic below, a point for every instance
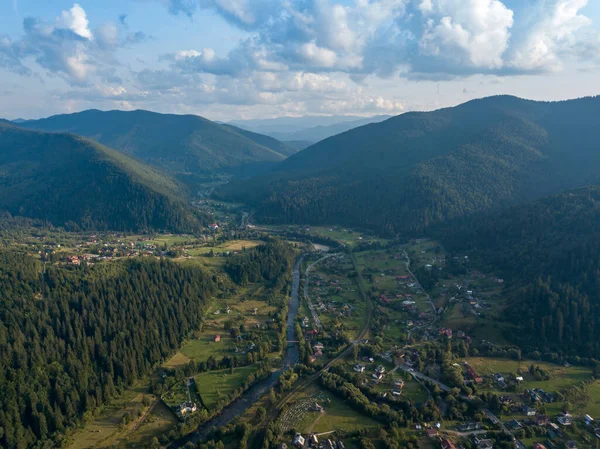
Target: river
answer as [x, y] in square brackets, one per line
[291, 357]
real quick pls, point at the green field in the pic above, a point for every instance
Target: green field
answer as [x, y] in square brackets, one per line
[216, 385]
[560, 376]
[337, 416]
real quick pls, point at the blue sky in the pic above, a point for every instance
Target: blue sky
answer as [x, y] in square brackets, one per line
[231, 59]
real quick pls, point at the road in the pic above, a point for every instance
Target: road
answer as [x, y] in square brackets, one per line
[306, 381]
[493, 418]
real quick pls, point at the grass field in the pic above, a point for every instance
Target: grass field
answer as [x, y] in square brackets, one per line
[215, 385]
[158, 422]
[105, 430]
[560, 376]
[337, 416]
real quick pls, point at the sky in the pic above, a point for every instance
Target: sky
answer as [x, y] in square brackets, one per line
[245, 59]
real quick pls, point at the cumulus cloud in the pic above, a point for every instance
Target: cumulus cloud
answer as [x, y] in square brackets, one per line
[553, 35]
[67, 47]
[75, 19]
[414, 38]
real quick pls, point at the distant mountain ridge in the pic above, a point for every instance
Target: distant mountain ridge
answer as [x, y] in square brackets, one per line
[417, 169]
[70, 180]
[308, 129]
[187, 146]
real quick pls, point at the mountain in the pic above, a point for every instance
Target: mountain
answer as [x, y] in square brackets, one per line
[299, 145]
[547, 251]
[307, 128]
[188, 146]
[421, 168]
[266, 141]
[69, 180]
[321, 132]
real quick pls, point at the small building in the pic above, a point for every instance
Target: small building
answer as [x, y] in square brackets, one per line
[447, 444]
[529, 411]
[217, 338]
[484, 443]
[565, 419]
[589, 420]
[538, 446]
[359, 368]
[298, 441]
[313, 440]
[399, 383]
[380, 369]
[432, 433]
[187, 407]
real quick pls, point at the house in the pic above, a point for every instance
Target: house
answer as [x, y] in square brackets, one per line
[529, 411]
[565, 419]
[380, 369]
[589, 420]
[217, 338]
[377, 376]
[498, 377]
[187, 407]
[319, 347]
[313, 440]
[213, 226]
[514, 424]
[447, 444]
[541, 420]
[432, 433]
[419, 427]
[399, 383]
[397, 392]
[538, 446]
[472, 374]
[282, 446]
[359, 368]
[484, 443]
[468, 427]
[298, 441]
[445, 331]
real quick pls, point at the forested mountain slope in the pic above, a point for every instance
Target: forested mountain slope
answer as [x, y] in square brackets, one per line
[549, 251]
[417, 169]
[66, 179]
[189, 146]
[72, 338]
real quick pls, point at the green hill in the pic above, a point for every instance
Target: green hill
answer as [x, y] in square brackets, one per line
[547, 251]
[66, 179]
[188, 146]
[418, 169]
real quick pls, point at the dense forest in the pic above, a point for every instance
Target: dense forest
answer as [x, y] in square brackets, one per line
[418, 169]
[72, 338]
[271, 262]
[550, 251]
[188, 146]
[68, 180]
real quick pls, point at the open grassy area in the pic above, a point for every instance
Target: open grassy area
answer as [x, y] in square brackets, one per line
[215, 385]
[337, 415]
[560, 377]
[106, 429]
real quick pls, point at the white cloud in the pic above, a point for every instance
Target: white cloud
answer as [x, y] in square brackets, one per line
[553, 34]
[317, 56]
[476, 32]
[76, 20]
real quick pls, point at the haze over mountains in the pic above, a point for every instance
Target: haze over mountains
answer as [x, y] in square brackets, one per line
[411, 171]
[69, 180]
[306, 130]
[189, 147]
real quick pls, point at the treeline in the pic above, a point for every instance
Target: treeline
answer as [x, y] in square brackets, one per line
[549, 250]
[271, 262]
[72, 339]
